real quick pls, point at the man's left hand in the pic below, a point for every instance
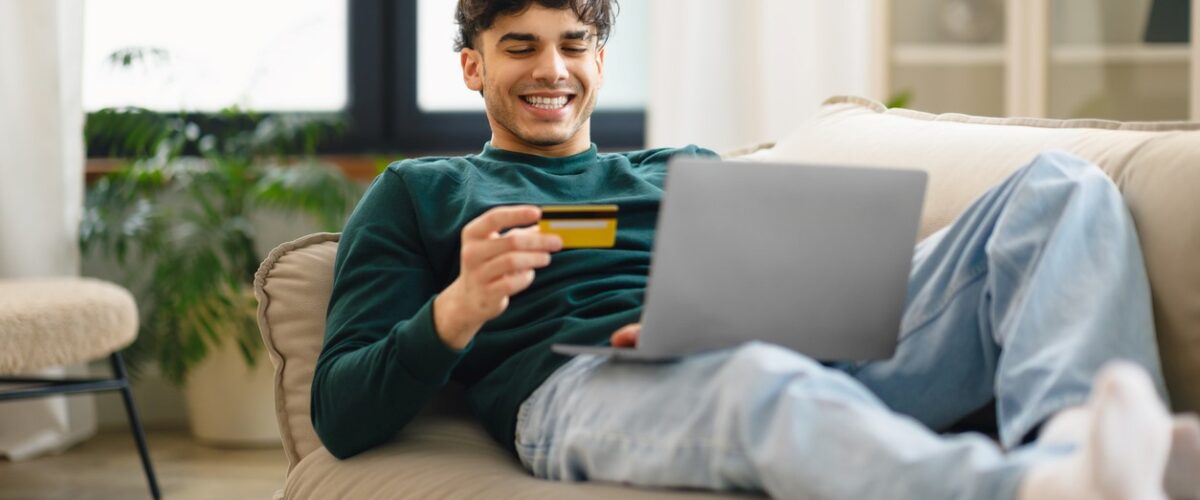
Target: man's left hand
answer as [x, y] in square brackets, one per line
[627, 336]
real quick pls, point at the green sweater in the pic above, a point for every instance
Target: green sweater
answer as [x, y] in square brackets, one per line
[383, 361]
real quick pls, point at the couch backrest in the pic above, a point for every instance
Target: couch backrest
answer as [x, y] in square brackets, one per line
[1155, 165]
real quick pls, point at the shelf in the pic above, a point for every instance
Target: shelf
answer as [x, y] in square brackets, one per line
[958, 54]
[1122, 54]
[948, 54]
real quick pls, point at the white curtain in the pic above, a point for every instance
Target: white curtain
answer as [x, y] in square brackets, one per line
[41, 186]
[732, 73]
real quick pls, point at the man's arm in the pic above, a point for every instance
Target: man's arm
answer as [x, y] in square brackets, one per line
[382, 360]
[391, 343]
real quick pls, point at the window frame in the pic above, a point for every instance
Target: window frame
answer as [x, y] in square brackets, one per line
[382, 114]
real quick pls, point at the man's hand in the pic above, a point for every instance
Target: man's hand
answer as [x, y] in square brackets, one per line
[493, 267]
[627, 336]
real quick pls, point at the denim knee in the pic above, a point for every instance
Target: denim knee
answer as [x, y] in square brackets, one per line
[755, 360]
[756, 374]
[1062, 164]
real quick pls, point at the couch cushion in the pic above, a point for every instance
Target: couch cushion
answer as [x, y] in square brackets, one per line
[292, 286]
[443, 457]
[1155, 165]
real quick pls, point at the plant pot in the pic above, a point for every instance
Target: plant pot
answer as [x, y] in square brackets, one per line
[231, 404]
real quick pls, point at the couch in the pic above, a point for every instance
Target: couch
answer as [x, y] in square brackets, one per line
[444, 454]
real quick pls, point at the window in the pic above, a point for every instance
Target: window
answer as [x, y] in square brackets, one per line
[385, 66]
[206, 56]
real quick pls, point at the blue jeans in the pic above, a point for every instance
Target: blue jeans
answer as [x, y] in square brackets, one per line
[1021, 299]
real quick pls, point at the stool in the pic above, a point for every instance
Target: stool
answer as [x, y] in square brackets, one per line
[59, 321]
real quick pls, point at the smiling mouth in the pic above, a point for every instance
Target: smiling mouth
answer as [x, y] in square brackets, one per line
[548, 103]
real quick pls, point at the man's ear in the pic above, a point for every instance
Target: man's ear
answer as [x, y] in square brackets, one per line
[472, 67]
[600, 65]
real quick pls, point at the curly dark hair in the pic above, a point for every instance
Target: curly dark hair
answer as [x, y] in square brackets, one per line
[474, 16]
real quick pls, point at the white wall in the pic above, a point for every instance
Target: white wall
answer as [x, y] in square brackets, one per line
[727, 74]
[41, 174]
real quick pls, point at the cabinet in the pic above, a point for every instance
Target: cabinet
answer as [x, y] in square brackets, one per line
[1128, 60]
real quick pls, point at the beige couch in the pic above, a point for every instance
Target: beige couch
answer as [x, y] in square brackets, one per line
[443, 454]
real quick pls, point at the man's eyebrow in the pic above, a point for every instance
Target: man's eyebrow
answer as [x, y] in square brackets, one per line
[577, 35]
[530, 37]
[520, 37]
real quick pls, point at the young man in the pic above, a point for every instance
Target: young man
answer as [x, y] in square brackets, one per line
[1023, 299]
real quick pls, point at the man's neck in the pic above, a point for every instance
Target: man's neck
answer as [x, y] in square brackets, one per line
[555, 151]
[582, 141]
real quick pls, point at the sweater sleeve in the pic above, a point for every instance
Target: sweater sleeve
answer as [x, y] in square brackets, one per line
[382, 360]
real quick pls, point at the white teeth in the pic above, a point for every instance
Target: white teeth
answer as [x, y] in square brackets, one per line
[546, 102]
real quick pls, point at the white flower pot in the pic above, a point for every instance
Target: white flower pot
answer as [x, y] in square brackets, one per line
[230, 404]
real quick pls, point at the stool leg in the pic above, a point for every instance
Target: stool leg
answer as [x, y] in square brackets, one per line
[135, 424]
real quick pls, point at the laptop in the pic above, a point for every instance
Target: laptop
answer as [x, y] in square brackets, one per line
[809, 257]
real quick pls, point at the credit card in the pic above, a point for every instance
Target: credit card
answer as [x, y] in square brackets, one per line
[581, 226]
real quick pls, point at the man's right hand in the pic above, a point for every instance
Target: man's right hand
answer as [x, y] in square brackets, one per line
[493, 267]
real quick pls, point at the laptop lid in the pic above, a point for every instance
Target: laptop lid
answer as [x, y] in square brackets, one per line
[814, 258]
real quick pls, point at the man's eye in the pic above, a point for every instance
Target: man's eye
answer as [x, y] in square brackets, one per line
[520, 51]
[575, 50]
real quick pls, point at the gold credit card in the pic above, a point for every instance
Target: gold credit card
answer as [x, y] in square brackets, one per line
[581, 226]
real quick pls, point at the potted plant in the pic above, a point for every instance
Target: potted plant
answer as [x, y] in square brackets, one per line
[177, 221]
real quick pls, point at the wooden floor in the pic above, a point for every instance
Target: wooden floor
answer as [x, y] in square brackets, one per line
[107, 467]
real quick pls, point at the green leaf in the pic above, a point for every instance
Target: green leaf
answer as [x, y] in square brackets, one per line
[900, 99]
[127, 57]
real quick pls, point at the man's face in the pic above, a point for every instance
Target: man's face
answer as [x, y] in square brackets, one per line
[539, 72]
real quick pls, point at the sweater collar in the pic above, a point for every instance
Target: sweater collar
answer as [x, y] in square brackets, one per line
[559, 165]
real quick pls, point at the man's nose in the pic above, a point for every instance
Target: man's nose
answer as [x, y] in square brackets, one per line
[551, 67]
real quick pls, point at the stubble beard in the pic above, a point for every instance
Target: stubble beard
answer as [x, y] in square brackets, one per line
[501, 110]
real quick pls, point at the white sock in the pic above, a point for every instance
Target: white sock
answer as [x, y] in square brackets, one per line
[1182, 476]
[1124, 435]
[1068, 426]
[1183, 467]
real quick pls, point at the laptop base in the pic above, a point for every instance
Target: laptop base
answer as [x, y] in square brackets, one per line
[617, 353]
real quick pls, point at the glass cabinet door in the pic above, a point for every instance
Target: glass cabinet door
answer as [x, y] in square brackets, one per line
[1119, 59]
[946, 55]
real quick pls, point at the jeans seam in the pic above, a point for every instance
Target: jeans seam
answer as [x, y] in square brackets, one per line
[535, 399]
[974, 274]
[643, 443]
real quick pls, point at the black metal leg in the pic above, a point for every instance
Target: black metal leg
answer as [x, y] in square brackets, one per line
[135, 424]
